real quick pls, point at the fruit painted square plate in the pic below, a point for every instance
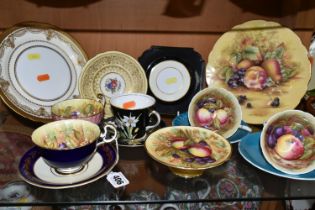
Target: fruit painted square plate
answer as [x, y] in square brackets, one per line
[174, 74]
[40, 66]
[249, 148]
[182, 120]
[263, 63]
[111, 73]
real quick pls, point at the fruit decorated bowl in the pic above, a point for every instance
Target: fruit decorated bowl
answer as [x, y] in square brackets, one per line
[215, 109]
[288, 142]
[188, 151]
[84, 109]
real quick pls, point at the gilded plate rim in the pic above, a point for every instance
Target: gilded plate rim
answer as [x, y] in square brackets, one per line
[11, 102]
[85, 86]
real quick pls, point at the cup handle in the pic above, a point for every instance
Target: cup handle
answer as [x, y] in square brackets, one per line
[101, 99]
[103, 135]
[158, 117]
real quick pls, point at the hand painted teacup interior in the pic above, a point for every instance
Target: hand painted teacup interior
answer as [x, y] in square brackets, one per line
[77, 108]
[66, 134]
[132, 101]
[288, 141]
[215, 109]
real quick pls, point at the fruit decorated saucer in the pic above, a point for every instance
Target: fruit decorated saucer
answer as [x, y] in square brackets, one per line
[262, 63]
[35, 171]
[249, 149]
[111, 73]
[188, 151]
[40, 66]
[182, 120]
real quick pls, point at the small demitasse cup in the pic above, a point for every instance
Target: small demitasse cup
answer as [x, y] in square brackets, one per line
[67, 145]
[133, 115]
[81, 108]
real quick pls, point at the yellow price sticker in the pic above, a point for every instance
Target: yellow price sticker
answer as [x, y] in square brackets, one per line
[33, 56]
[171, 80]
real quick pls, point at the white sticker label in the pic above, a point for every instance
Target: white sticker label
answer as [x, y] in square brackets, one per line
[117, 179]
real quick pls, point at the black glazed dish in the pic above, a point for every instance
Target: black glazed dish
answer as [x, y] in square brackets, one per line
[193, 62]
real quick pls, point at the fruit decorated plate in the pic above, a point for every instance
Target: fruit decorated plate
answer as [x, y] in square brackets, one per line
[182, 120]
[188, 151]
[175, 75]
[216, 109]
[111, 73]
[40, 66]
[264, 64]
[288, 142]
[249, 149]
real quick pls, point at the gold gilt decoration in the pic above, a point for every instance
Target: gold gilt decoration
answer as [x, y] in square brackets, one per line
[4, 84]
[126, 74]
[24, 100]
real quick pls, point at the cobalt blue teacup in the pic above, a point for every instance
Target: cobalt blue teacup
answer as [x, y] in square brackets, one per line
[67, 145]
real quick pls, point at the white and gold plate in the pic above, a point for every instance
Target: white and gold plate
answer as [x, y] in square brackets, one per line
[111, 73]
[169, 80]
[39, 66]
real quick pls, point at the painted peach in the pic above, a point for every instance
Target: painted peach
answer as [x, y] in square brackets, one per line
[222, 116]
[289, 147]
[179, 144]
[204, 117]
[199, 151]
[255, 78]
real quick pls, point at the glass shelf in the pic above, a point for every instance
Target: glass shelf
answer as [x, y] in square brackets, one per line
[152, 185]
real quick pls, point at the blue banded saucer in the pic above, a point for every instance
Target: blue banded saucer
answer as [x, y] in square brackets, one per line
[34, 170]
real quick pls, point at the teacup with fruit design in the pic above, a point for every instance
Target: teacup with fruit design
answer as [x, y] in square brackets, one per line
[80, 108]
[216, 109]
[67, 145]
[288, 141]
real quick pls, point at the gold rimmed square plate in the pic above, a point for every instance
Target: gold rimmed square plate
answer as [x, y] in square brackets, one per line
[40, 66]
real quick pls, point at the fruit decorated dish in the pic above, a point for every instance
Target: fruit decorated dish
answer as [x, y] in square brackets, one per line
[215, 109]
[288, 142]
[264, 65]
[188, 151]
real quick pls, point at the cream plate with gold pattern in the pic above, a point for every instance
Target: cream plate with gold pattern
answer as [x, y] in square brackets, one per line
[264, 62]
[39, 66]
[111, 73]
